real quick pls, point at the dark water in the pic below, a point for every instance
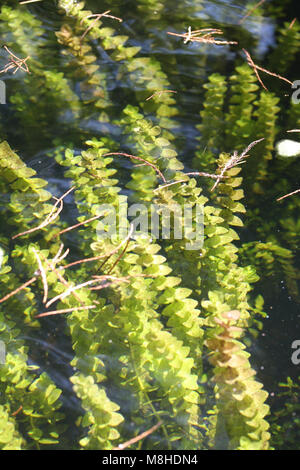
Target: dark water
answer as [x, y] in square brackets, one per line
[187, 68]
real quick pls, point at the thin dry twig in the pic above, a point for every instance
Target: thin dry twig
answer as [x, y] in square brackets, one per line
[17, 411]
[122, 279]
[294, 130]
[97, 17]
[119, 257]
[57, 258]
[64, 310]
[205, 35]
[93, 258]
[40, 271]
[138, 438]
[257, 67]
[50, 218]
[235, 160]
[169, 184]
[191, 173]
[71, 289]
[105, 284]
[292, 23]
[77, 225]
[43, 275]
[141, 160]
[252, 64]
[252, 10]
[15, 62]
[14, 292]
[207, 175]
[126, 241]
[51, 265]
[288, 195]
[159, 93]
[106, 255]
[29, 1]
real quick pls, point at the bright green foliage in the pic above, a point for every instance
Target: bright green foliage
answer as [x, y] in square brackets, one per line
[24, 35]
[35, 397]
[266, 257]
[285, 423]
[153, 141]
[240, 398]
[81, 59]
[10, 439]
[212, 121]
[101, 416]
[139, 338]
[266, 116]
[147, 72]
[27, 192]
[133, 323]
[288, 40]
[143, 73]
[229, 287]
[243, 88]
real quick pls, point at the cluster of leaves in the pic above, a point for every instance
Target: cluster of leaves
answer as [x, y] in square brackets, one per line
[251, 115]
[285, 421]
[141, 313]
[240, 398]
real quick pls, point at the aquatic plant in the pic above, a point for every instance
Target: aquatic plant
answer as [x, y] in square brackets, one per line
[140, 315]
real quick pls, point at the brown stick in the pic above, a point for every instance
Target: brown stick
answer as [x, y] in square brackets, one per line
[97, 17]
[140, 159]
[201, 173]
[58, 257]
[50, 218]
[257, 67]
[119, 257]
[288, 195]
[138, 438]
[235, 160]
[15, 62]
[95, 258]
[195, 36]
[64, 310]
[63, 280]
[14, 292]
[252, 64]
[292, 23]
[159, 93]
[252, 10]
[43, 275]
[17, 411]
[71, 289]
[169, 184]
[77, 225]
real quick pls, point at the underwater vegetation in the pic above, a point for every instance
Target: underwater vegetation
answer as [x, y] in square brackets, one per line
[138, 341]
